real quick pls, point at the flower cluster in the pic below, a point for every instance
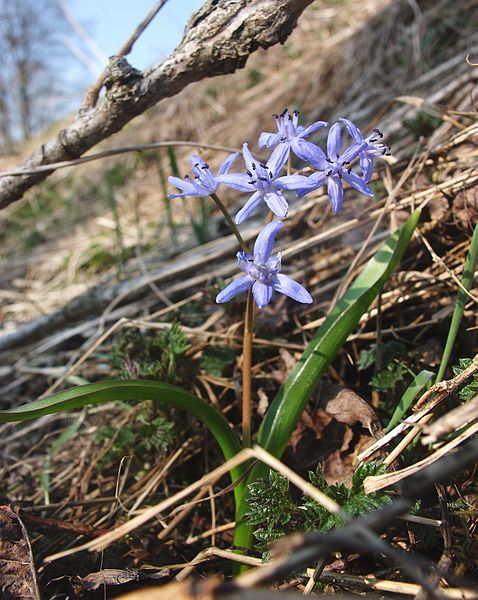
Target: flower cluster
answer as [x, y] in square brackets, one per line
[266, 183]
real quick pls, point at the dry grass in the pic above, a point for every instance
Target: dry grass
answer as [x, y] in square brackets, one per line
[348, 58]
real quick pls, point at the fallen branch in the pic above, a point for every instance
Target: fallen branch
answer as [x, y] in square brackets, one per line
[219, 39]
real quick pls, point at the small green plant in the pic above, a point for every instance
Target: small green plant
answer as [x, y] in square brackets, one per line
[273, 512]
[470, 390]
[217, 360]
[153, 355]
[144, 435]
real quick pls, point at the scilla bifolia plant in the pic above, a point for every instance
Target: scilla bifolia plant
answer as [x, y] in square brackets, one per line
[266, 182]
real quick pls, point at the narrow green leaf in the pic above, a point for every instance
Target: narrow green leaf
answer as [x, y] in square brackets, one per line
[289, 403]
[287, 407]
[121, 390]
[419, 382]
[469, 269]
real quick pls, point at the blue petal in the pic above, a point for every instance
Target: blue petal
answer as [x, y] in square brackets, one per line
[289, 287]
[315, 155]
[358, 183]
[278, 158]
[277, 203]
[196, 160]
[248, 158]
[265, 241]
[188, 188]
[239, 285]
[238, 181]
[335, 191]
[292, 182]
[302, 148]
[249, 206]
[354, 131]
[333, 141]
[268, 140]
[226, 165]
[366, 163]
[262, 293]
[311, 128]
[353, 151]
[315, 181]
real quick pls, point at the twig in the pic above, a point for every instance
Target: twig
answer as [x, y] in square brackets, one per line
[217, 41]
[94, 91]
[378, 482]
[113, 152]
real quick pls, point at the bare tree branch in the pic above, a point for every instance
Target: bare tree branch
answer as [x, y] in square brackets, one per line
[93, 92]
[218, 39]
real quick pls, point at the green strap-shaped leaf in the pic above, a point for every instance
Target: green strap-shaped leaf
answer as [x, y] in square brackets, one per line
[289, 403]
[121, 390]
[419, 382]
[287, 407]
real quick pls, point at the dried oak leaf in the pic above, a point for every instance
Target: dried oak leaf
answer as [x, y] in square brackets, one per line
[316, 423]
[17, 571]
[349, 408]
[465, 208]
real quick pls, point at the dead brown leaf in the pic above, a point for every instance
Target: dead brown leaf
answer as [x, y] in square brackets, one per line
[349, 408]
[286, 368]
[316, 423]
[17, 571]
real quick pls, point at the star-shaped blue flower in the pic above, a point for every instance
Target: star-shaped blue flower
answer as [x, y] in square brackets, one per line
[262, 273]
[371, 147]
[204, 182]
[289, 136]
[335, 167]
[262, 179]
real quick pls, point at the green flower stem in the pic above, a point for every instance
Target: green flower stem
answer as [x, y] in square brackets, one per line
[247, 370]
[230, 222]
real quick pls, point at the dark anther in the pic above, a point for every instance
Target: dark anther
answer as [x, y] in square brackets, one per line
[296, 113]
[270, 175]
[349, 169]
[378, 132]
[345, 162]
[275, 115]
[206, 166]
[340, 175]
[337, 156]
[196, 164]
[262, 178]
[330, 161]
[285, 111]
[252, 182]
[283, 138]
[263, 165]
[249, 173]
[187, 177]
[329, 173]
[290, 117]
[253, 166]
[373, 140]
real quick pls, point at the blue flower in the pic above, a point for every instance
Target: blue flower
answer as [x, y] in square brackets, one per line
[289, 136]
[262, 179]
[204, 182]
[262, 273]
[371, 147]
[335, 167]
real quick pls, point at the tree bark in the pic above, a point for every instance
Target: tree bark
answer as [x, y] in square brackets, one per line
[218, 39]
